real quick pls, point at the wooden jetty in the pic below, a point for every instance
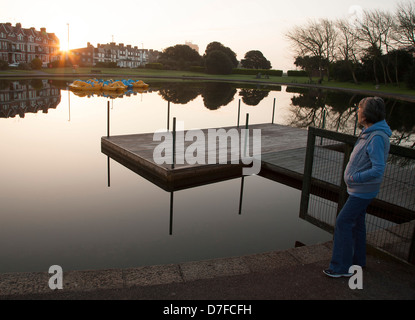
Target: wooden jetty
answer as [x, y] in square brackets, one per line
[136, 152]
[282, 156]
[283, 151]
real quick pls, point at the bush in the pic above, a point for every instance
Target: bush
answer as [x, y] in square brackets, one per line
[218, 62]
[297, 73]
[24, 66]
[56, 64]
[276, 73]
[410, 78]
[3, 65]
[157, 66]
[197, 69]
[36, 64]
[106, 65]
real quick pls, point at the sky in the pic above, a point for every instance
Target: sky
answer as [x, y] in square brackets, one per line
[241, 25]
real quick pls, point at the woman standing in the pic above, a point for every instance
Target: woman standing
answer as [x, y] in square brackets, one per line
[363, 176]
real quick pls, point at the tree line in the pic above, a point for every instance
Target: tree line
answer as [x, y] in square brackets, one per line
[217, 59]
[374, 45]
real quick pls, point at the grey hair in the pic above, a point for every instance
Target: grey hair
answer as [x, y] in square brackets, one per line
[374, 109]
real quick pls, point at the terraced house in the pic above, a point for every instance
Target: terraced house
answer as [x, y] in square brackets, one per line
[125, 56]
[21, 45]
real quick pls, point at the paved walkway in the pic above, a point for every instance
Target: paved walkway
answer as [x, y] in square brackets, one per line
[294, 274]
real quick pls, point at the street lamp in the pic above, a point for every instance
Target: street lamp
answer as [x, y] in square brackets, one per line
[68, 35]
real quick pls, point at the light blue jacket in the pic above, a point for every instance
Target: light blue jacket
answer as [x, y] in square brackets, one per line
[364, 172]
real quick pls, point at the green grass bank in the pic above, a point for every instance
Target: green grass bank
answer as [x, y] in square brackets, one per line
[68, 73]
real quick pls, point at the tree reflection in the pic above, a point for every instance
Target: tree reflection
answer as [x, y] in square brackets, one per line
[180, 93]
[336, 111]
[253, 97]
[216, 95]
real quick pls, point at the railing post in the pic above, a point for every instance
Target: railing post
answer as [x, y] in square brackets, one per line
[411, 255]
[308, 167]
[343, 188]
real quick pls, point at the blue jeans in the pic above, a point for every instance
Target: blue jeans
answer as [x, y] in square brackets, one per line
[349, 247]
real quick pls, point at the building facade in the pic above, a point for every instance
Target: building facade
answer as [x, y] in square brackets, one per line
[124, 56]
[21, 45]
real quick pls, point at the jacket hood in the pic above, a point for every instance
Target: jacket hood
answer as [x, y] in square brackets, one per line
[379, 126]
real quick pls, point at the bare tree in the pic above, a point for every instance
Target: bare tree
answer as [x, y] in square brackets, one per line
[374, 30]
[348, 45]
[403, 30]
[316, 39]
[405, 23]
[330, 36]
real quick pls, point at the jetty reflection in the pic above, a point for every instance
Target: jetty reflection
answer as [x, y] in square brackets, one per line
[171, 189]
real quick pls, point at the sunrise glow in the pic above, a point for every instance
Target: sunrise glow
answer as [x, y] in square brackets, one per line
[241, 25]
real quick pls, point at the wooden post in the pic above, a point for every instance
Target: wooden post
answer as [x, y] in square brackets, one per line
[168, 115]
[239, 110]
[308, 167]
[108, 171]
[343, 188]
[108, 119]
[273, 112]
[246, 133]
[241, 195]
[411, 255]
[171, 213]
[174, 143]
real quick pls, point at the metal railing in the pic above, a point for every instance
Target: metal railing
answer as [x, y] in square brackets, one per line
[390, 218]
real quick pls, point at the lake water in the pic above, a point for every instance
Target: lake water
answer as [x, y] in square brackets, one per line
[57, 207]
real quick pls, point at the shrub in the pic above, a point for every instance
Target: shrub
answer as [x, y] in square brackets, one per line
[24, 66]
[276, 73]
[410, 78]
[154, 65]
[218, 62]
[106, 65]
[197, 69]
[3, 65]
[297, 73]
[36, 64]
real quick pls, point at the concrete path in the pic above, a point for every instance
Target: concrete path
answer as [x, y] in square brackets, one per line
[294, 274]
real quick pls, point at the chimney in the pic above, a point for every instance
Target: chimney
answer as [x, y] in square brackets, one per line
[18, 25]
[43, 30]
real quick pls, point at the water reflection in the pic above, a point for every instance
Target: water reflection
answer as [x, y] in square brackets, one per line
[336, 111]
[68, 212]
[27, 96]
[214, 94]
[172, 188]
[332, 110]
